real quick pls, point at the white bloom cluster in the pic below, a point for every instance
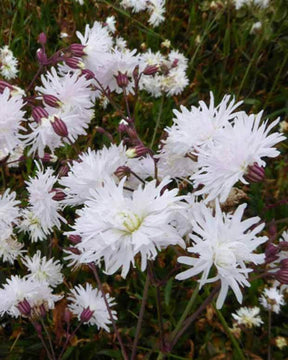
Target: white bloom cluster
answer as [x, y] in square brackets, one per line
[156, 9]
[225, 242]
[43, 212]
[248, 317]
[272, 299]
[171, 76]
[115, 227]
[206, 143]
[260, 3]
[26, 296]
[89, 306]
[73, 106]
[8, 63]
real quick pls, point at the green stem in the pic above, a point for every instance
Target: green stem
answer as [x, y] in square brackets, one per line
[157, 121]
[229, 333]
[186, 311]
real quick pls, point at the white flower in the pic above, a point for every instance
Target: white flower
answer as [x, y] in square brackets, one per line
[8, 63]
[10, 248]
[156, 9]
[88, 302]
[17, 290]
[260, 3]
[11, 116]
[136, 5]
[110, 23]
[272, 299]
[42, 269]
[192, 129]
[115, 227]
[32, 224]
[248, 316]
[90, 172]
[9, 211]
[225, 242]
[43, 209]
[226, 161]
[256, 27]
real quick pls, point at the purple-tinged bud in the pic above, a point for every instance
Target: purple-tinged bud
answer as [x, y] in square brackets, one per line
[131, 132]
[42, 38]
[137, 151]
[135, 73]
[284, 264]
[89, 75]
[59, 194]
[175, 63]
[42, 310]
[24, 307]
[48, 158]
[122, 171]
[151, 69]
[42, 57]
[282, 276]
[255, 173]
[59, 127]
[75, 239]
[283, 245]
[74, 250]
[122, 80]
[3, 85]
[67, 315]
[75, 63]
[77, 50]
[86, 315]
[51, 100]
[123, 125]
[271, 252]
[39, 113]
[63, 171]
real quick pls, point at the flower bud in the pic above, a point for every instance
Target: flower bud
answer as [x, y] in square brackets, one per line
[151, 69]
[77, 50]
[38, 113]
[42, 38]
[49, 158]
[24, 307]
[59, 127]
[282, 276]
[283, 245]
[75, 239]
[284, 264]
[42, 57]
[89, 75]
[122, 171]
[63, 171]
[74, 250]
[137, 151]
[255, 173]
[51, 100]
[86, 315]
[59, 194]
[42, 310]
[175, 63]
[135, 73]
[271, 252]
[122, 80]
[75, 63]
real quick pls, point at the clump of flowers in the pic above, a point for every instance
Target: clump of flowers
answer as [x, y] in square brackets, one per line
[8, 63]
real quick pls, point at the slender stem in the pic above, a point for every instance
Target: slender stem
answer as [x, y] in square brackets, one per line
[269, 334]
[157, 121]
[194, 316]
[68, 338]
[186, 311]
[126, 103]
[48, 337]
[230, 335]
[42, 340]
[35, 77]
[95, 273]
[140, 318]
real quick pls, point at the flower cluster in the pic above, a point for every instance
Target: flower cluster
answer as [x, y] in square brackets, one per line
[8, 63]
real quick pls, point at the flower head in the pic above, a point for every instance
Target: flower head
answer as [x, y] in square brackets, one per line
[248, 317]
[89, 306]
[272, 299]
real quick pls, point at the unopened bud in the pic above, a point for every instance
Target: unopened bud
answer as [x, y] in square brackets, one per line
[74, 250]
[151, 69]
[75, 239]
[24, 307]
[137, 151]
[75, 63]
[51, 100]
[175, 63]
[86, 315]
[89, 75]
[59, 194]
[282, 276]
[42, 38]
[122, 80]
[255, 173]
[39, 113]
[42, 57]
[122, 171]
[283, 245]
[77, 50]
[49, 158]
[271, 252]
[63, 171]
[284, 264]
[135, 73]
[59, 127]
[42, 310]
